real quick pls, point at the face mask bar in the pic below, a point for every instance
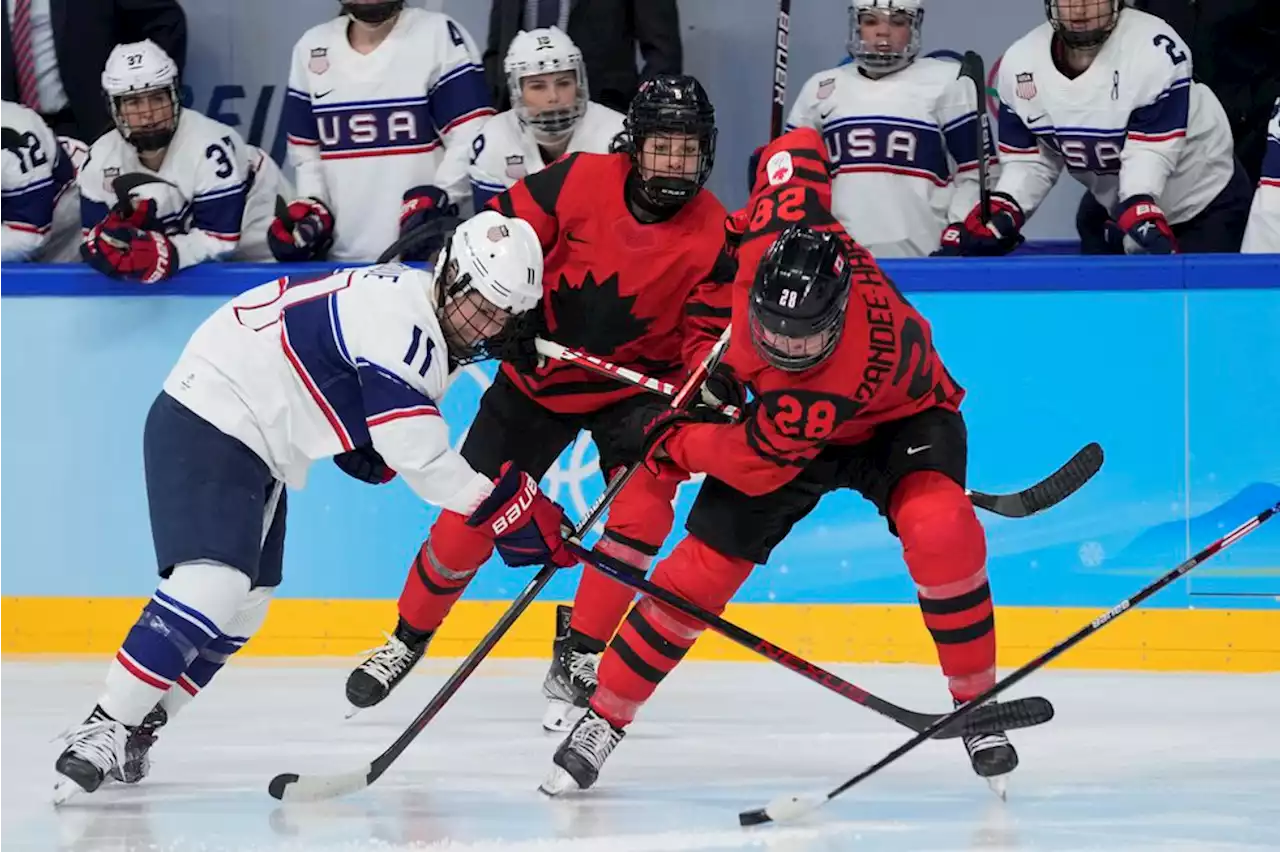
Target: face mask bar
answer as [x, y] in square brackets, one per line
[153, 136]
[869, 57]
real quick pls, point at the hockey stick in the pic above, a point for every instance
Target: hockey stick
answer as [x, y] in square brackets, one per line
[1019, 713]
[1050, 491]
[782, 33]
[975, 69]
[791, 807]
[290, 786]
[414, 238]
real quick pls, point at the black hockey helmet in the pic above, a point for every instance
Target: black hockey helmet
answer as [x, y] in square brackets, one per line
[798, 299]
[372, 11]
[672, 104]
[1086, 33]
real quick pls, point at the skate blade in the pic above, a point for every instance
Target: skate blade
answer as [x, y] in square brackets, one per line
[352, 710]
[558, 782]
[64, 789]
[561, 716]
[999, 785]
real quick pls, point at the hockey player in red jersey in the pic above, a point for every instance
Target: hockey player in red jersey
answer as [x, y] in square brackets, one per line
[630, 240]
[848, 392]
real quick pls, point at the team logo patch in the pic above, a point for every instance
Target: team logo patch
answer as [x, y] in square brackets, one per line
[498, 233]
[1026, 86]
[109, 174]
[826, 87]
[319, 62]
[779, 168]
[515, 167]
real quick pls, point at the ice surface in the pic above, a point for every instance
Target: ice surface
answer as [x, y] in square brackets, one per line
[1132, 762]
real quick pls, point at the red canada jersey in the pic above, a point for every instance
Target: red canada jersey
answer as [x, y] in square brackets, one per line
[640, 295]
[883, 368]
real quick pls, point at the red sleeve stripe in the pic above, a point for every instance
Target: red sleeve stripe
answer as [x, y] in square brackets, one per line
[400, 413]
[323, 404]
[1156, 137]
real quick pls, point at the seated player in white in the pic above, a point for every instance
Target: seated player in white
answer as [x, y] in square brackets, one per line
[1107, 93]
[39, 204]
[899, 129]
[349, 365]
[1263, 233]
[551, 115]
[197, 192]
[382, 107]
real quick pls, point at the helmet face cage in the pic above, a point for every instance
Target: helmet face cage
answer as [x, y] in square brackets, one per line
[1092, 32]
[373, 13]
[868, 55]
[798, 300]
[555, 124]
[472, 325]
[666, 109]
[157, 129]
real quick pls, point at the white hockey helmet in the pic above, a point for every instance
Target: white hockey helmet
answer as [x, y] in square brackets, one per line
[489, 271]
[546, 51]
[134, 72]
[882, 57]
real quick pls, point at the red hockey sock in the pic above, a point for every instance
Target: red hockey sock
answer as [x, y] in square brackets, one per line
[946, 552]
[654, 637]
[601, 601]
[441, 571]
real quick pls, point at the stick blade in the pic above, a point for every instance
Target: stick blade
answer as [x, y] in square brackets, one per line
[973, 67]
[1051, 491]
[783, 809]
[291, 787]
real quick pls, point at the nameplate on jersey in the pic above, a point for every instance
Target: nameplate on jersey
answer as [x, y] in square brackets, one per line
[375, 128]
[887, 144]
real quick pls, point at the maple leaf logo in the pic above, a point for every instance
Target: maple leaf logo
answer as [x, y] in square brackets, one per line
[593, 316]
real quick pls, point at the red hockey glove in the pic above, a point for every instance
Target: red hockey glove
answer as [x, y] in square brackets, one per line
[302, 230]
[999, 235]
[421, 205]
[526, 527]
[1145, 228]
[141, 215]
[126, 252]
[365, 464]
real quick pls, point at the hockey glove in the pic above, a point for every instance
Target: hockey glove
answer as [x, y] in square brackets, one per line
[142, 214]
[1145, 228]
[642, 431]
[526, 527]
[421, 205]
[723, 388]
[127, 252]
[302, 230]
[517, 344]
[365, 464]
[999, 235]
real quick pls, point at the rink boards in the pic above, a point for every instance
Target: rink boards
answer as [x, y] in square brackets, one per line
[1171, 364]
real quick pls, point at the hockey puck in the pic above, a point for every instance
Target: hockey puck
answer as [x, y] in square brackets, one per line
[278, 784]
[755, 816]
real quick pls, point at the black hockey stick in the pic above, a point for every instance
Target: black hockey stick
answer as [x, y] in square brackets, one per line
[975, 69]
[124, 184]
[781, 61]
[290, 786]
[1019, 713]
[412, 241]
[790, 807]
[1050, 491]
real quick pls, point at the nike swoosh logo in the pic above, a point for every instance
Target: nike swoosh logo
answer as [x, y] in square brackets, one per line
[568, 235]
[824, 116]
[319, 95]
[911, 451]
[1037, 118]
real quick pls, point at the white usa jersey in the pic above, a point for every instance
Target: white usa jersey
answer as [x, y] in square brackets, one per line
[363, 129]
[215, 194]
[1134, 123]
[304, 369]
[505, 150]
[1262, 236]
[904, 148]
[40, 204]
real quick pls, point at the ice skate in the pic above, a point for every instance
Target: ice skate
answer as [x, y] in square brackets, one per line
[571, 680]
[387, 665]
[993, 757]
[137, 748]
[579, 758]
[94, 749]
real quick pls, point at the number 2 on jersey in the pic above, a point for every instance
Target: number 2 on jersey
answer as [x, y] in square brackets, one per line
[789, 208]
[813, 422]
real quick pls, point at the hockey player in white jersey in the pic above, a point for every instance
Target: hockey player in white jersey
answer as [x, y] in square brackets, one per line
[39, 203]
[551, 115]
[898, 129]
[1106, 92]
[1263, 233]
[350, 365]
[209, 195]
[382, 108]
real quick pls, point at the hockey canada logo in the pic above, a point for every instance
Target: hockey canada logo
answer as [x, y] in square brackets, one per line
[779, 168]
[1026, 86]
[826, 87]
[515, 167]
[319, 60]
